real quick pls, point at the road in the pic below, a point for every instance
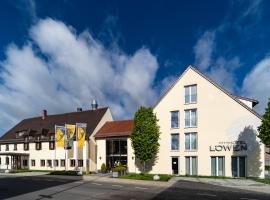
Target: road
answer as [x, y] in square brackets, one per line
[38, 188]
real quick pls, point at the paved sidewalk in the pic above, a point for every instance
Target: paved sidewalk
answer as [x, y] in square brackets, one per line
[244, 184]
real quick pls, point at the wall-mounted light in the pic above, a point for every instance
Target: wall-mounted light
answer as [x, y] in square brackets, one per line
[100, 158]
[132, 158]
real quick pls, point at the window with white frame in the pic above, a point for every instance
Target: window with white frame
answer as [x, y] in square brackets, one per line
[175, 141]
[174, 119]
[191, 165]
[191, 141]
[218, 166]
[190, 94]
[191, 118]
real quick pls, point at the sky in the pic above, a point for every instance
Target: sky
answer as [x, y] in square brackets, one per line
[59, 55]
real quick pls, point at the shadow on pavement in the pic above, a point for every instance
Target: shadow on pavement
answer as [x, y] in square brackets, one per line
[11, 186]
[195, 190]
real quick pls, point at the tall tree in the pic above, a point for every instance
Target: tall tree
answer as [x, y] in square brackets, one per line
[145, 136]
[264, 128]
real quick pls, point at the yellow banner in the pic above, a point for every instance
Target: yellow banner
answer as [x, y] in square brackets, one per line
[70, 131]
[81, 130]
[60, 136]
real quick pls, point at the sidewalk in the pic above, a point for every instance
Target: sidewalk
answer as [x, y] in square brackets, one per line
[244, 184]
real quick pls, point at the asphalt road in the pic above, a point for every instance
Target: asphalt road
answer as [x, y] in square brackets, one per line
[51, 188]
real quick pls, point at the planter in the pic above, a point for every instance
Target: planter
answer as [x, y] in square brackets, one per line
[115, 174]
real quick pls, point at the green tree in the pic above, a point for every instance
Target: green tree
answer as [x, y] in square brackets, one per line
[145, 136]
[264, 128]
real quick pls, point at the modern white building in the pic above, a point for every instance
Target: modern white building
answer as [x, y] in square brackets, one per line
[204, 130]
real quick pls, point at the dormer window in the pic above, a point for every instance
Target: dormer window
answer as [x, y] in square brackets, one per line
[26, 139]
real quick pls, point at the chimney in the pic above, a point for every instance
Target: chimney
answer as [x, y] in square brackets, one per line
[94, 104]
[44, 114]
[79, 109]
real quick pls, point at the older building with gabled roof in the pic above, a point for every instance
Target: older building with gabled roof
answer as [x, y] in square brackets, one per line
[30, 144]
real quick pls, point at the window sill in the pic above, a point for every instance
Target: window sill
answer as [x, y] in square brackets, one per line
[175, 128]
[175, 151]
[190, 103]
[190, 127]
[195, 150]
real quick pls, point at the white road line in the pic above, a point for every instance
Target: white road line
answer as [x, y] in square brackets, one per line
[205, 194]
[117, 185]
[141, 188]
[96, 184]
[78, 182]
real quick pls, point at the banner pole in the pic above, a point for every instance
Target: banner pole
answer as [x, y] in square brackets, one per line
[54, 148]
[65, 146]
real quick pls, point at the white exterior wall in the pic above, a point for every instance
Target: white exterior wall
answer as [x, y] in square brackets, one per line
[220, 119]
[88, 154]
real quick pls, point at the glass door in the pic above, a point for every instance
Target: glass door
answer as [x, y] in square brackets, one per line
[239, 166]
[175, 165]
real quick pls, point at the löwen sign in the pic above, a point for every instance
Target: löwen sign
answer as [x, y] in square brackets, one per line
[229, 146]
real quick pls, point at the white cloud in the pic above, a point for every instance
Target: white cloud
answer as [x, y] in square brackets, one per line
[203, 50]
[257, 85]
[60, 70]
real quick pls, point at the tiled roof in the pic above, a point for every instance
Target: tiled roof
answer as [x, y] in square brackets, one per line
[121, 128]
[37, 125]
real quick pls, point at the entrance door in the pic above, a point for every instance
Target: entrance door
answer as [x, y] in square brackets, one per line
[239, 166]
[175, 167]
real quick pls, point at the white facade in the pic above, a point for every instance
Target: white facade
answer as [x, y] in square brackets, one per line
[223, 133]
[53, 159]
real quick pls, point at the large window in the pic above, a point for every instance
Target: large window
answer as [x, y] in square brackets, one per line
[33, 163]
[191, 165]
[217, 166]
[191, 141]
[42, 163]
[116, 152]
[190, 94]
[174, 119]
[51, 145]
[175, 141]
[191, 118]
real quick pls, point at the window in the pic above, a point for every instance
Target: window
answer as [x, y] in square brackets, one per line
[191, 118]
[25, 163]
[15, 147]
[0, 147]
[190, 94]
[191, 141]
[33, 163]
[56, 163]
[174, 119]
[49, 163]
[7, 147]
[80, 163]
[116, 152]
[7, 160]
[191, 165]
[0, 161]
[63, 163]
[72, 163]
[42, 163]
[38, 146]
[26, 146]
[218, 166]
[51, 145]
[175, 141]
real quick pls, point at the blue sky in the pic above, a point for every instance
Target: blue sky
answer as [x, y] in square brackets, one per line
[58, 55]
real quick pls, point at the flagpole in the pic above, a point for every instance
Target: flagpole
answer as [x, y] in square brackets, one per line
[65, 147]
[54, 147]
[76, 152]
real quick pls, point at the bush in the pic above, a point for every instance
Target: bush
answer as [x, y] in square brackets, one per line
[119, 169]
[148, 177]
[103, 168]
[67, 173]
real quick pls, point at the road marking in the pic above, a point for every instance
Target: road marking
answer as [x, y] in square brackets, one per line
[141, 188]
[96, 184]
[205, 194]
[78, 182]
[117, 185]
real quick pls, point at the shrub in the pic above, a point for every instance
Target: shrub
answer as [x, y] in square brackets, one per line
[103, 168]
[119, 169]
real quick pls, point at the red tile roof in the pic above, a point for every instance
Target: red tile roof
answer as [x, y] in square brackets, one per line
[121, 128]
